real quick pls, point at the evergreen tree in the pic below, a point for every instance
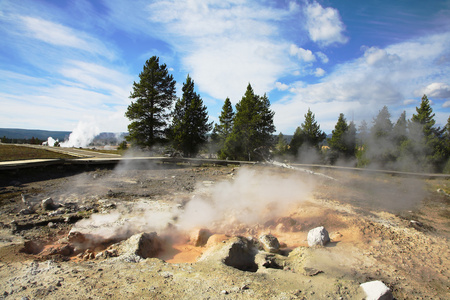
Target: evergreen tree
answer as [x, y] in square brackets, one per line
[153, 95]
[382, 126]
[399, 131]
[297, 141]
[363, 133]
[350, 140]
[252, 128]
[222, 130]
[190, 121]
[380, 149]
[343, 140]
[226, 119]
[447, 146]
[281, 147]
[447, 134]
[432, 137]
[337, 141]
[311, 131]
[308, 133]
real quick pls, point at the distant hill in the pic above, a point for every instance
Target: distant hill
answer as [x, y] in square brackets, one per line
[15, 133]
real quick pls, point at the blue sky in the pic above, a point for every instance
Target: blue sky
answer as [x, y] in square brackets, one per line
[66, 62]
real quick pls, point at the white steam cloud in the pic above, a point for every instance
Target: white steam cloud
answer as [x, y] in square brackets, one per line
[82, 135]
[252, 198]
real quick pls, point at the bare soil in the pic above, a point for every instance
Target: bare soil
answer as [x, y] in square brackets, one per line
[382, 227]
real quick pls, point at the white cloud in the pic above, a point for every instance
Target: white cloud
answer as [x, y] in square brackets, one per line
[281, 86]
[379, 77]
[302, 54]
[224, 45]
[319, 72]
[324, 24]
[436, 90]
[446, 104]
[376, 56]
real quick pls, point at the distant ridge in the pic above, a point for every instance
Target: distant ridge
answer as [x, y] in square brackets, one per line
[15, 133]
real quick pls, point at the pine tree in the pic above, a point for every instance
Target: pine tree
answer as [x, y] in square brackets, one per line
[363, 133]
[382, 126]
[190, 121]
[432, 137]
[253, 126]
[226, 119]
[337, 141]
[281, 147]
[222, 130]
[350, 140]
[380, 149]
[297, 141]
[153, 95]
[447, 134]
[399, 131]
[308, 134]
[447, 146]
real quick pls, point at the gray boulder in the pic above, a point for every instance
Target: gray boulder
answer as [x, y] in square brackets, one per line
[270, 243]
[144, 245]
[318, 237]
[49, 204]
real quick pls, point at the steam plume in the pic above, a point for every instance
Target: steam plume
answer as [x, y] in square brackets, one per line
[82, 135]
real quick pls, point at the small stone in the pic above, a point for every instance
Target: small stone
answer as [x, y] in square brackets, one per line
[26, 211]
[318, 237]
[51, 225]
[270, 243]
[376, 290]
[48, 204]
[312, 271]
[224, 292]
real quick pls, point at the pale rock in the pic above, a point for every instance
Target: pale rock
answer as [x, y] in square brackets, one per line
[318, 237]
[144, 245]
[199, 237]
[376, 290]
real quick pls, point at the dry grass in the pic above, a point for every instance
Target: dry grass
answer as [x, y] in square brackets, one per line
[12, 152]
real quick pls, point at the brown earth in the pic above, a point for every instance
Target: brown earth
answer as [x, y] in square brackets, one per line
[382, 227]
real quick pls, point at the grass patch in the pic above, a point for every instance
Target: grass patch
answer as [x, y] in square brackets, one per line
[12, 152]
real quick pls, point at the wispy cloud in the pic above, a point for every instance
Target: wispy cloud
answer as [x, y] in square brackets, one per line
[60, 35]
[65, 75]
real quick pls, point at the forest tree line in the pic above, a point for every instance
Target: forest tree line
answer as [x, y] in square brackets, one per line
[245, 132]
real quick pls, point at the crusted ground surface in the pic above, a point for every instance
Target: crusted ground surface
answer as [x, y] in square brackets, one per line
[382, 227]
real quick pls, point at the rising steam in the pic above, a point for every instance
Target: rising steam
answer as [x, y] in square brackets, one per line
[252, 198]
[82, 135]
